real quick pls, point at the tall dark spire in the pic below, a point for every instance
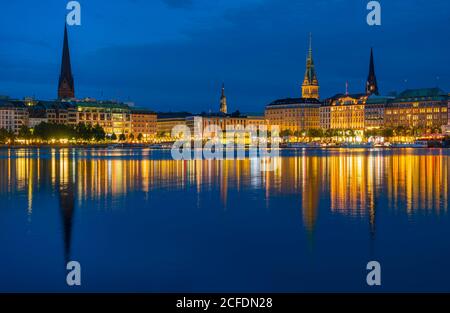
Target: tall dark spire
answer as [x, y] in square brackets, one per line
[66, 86]
[372, 86]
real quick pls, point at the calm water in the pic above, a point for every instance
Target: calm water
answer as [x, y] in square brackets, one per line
[138, 221]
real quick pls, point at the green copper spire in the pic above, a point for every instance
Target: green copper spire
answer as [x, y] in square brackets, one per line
[310, 86]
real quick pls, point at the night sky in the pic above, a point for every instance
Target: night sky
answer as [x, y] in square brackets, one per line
[174, 54]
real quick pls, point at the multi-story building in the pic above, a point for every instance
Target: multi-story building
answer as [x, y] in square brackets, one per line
[294, 114]
[167, 121]
[225, 121]
[343, 112]
[300, 113]
[352, 111]
[113, 117]
[143, 122]
[446, 128]
[418, 108]
[13, 115]
[374, 111]
[55, 112]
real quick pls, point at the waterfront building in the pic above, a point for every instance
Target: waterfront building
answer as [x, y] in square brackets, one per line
[235, 120]
[298, 114]
[446, 128]
[55, 112]
[143, 122]
[343, 112]
[114, 117]
[166, 121]
[355, 111]
[13, 115]
[66, 85]
[418, 108]
[374, 111]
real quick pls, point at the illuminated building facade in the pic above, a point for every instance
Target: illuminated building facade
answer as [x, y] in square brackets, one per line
[114, 117]
[446, 128]
[235, 120]
[143, 122]
[167, 121]
[55, 112]
[294, 114]
[374, 111]
[418, 108]
[343, 112]
[13, 115]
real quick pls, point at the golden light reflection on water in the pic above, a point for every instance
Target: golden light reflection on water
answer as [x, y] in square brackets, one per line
[344, 183]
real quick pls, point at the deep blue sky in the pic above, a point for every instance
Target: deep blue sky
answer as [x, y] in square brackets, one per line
[174, 54]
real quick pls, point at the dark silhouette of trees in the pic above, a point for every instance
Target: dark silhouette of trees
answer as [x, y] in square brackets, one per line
[82, 132]
[6, 135]
[25, 133]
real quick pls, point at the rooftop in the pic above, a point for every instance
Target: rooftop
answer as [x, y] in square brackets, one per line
[138, 110]
[173, 114]
[11, 104]
[290, 101]
[423, 92]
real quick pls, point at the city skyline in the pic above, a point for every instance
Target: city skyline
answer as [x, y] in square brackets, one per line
[205, 97]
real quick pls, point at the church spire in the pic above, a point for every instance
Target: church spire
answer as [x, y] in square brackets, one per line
[310, 86]
[223, 101]
[372, 86]
[66, 88]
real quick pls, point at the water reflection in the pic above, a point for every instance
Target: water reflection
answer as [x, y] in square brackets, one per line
[344, 183]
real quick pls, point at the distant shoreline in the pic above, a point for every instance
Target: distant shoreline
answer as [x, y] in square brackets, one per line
[165, 147]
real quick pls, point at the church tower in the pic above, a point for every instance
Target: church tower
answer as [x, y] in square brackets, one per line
[66, 88]
[223, 101]
[371, 85]
[310, 87]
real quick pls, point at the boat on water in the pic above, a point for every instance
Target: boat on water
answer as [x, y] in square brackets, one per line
[160, 146]
[303, 145]
[415, 144]
[357, 145]
[115, 146]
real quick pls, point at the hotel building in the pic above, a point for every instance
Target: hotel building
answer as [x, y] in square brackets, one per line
[418, 108]
[143, 122]
[344, 112]
[446, 128]
[114, 117]
[13, 115]
[354, 111]
[374, 111]
[294, 114]
[168, 120]
[55, 112]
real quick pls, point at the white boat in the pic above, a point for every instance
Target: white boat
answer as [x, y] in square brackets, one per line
[115, 146]
[357, 145]
[302, 145]
[415, 144]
